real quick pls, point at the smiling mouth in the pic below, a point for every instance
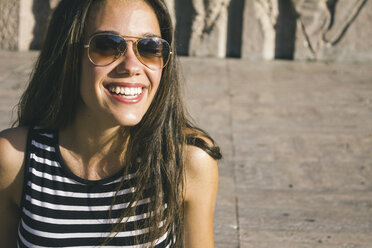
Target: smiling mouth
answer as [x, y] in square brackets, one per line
[125, 92]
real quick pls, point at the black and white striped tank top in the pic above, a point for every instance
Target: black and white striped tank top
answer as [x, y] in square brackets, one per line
[60, 209]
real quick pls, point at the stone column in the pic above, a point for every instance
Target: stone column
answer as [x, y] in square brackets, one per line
[9, 17]
[209, 28]
[53, 3]
[171, 7]
[26, 25]
[259, 29]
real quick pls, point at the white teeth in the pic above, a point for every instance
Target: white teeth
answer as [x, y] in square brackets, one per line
[130, 92]
[127, 91]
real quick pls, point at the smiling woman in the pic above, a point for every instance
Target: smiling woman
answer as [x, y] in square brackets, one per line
[126, 71]
[103, 154]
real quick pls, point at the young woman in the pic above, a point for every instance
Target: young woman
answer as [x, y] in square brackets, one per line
[103, 154]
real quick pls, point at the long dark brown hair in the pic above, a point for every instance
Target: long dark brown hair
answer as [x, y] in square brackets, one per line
[155, 147]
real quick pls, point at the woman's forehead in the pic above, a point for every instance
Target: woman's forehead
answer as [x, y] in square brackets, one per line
[126, 17]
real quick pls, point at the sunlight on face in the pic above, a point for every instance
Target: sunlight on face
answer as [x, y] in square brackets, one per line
[119, 93]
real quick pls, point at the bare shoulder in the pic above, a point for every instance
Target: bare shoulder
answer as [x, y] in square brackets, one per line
[12, 149]
[201, 171]
[201, 183]
[198, 161]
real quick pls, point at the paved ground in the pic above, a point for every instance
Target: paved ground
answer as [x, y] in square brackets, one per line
[297, 141]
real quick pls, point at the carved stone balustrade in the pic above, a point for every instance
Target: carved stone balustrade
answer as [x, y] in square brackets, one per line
[326, 30]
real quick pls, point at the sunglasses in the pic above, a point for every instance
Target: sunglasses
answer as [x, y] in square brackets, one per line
[105, 48]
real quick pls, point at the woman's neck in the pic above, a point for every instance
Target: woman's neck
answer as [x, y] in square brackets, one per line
[93, 151]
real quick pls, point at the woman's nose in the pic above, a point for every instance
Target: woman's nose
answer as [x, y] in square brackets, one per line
[129, 63]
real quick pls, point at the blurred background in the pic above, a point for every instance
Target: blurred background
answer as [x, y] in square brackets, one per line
[284, 87]
[326, 30]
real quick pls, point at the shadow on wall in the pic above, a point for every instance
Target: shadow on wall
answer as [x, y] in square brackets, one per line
[41, 11]
[235, 29]
[185, 14]
[285, 30]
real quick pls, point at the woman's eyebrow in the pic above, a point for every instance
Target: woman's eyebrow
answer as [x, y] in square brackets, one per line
[116, 33]
[150, 35]
[104, 32]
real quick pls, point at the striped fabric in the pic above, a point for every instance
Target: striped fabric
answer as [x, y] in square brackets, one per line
[60, 209]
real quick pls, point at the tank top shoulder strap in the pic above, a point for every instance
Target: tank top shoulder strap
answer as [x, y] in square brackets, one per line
[41, 138]
[41, 143]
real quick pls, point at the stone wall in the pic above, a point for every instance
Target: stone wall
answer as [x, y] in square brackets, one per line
[251, 29]
[326, 30]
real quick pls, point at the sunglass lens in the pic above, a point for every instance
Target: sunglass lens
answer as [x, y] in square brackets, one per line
[154, 52]
[104, 49]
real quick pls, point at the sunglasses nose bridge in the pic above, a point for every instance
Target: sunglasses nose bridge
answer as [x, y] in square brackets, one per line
[129, 50]
[133, 45]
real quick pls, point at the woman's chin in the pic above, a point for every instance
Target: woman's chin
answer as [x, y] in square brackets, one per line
[129, 120]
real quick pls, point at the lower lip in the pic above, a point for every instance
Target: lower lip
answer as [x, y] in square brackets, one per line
[127, 100]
